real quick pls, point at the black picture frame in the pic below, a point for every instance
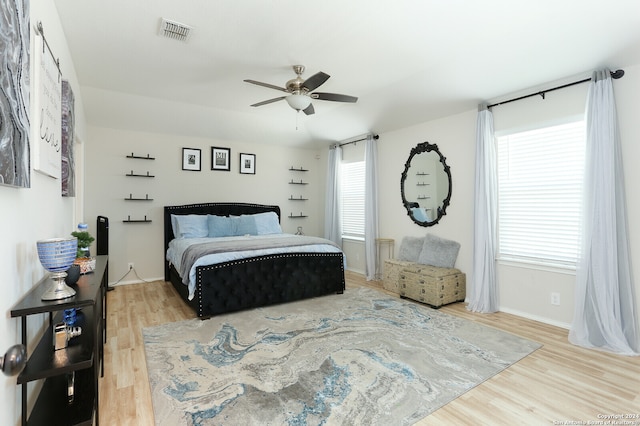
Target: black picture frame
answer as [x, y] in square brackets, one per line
[191, 159]
[220, 158]
[247, 164]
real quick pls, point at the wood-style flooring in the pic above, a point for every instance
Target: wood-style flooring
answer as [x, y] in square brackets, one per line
[558, 383]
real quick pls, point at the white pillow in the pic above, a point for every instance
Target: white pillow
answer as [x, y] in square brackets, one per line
[267, 223]
[190, 226]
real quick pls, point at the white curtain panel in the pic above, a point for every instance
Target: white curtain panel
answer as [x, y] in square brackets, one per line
[332, 213]
[605, 312]
[370, 206]
[483, 295]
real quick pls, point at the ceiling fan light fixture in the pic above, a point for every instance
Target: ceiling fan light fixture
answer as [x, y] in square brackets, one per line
[298, 102]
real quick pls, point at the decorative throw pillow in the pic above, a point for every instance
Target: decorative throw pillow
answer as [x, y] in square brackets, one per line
[439, 252]
[244, 225]
[410, 248]
[220, 226]
[420, 214]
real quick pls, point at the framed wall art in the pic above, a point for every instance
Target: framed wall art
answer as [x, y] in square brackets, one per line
[248, 164]
[15, 148]
[220, 158]
[48, 111]
[191, 159]
[67, 173]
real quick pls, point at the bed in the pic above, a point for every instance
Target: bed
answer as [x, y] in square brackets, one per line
[228, 273]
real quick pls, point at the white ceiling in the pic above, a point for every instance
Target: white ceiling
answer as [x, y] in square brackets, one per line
[408, 61]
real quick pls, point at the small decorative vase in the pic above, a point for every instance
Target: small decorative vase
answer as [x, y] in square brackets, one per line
[73, 274]
[70, 316]
[56, 256]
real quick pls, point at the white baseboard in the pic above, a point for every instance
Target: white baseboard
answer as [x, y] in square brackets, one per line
[136, 281]
[357, 271]
[536, 318]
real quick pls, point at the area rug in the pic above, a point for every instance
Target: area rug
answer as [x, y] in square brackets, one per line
[360, 358]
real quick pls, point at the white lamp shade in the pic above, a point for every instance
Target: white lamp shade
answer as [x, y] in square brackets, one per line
[298, 102]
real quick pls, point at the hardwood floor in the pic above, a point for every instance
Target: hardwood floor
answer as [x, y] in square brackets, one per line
[557, 383]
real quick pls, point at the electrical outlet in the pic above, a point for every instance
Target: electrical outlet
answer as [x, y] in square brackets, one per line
[555, 299]
[130, 264]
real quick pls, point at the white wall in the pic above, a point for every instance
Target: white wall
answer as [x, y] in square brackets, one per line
[523, 290]
[142, 244]
[627, 90]
[29, 215]
[454, 136]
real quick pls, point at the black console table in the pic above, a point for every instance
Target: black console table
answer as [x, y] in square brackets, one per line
[83, 356]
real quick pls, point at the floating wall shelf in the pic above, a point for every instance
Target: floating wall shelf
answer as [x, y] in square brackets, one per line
[148, 157]
[129, 220]
[139, 175]
[138, 199]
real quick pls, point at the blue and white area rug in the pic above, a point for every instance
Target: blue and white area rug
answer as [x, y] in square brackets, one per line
[361, 358]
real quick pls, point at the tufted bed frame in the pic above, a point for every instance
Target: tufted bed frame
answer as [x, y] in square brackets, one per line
[254, 282]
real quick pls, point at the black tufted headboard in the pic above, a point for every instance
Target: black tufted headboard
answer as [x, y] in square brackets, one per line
[219, 209]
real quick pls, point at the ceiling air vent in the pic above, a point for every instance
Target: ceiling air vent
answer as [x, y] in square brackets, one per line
[175, 30]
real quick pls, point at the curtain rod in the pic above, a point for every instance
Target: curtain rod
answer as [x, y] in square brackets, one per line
[614, 74]
[376, 137]
[40, 30]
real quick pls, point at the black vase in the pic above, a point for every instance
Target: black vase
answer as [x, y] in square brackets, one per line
[73, 274]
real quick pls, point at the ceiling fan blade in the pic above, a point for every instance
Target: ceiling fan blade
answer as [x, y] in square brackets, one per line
[315, 81]
[309, 110]
[336, 97]
[268, 101]
[270, 86]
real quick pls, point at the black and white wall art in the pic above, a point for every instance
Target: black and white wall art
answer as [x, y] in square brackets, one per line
[68, 125]
[48, 111]
[14, 94]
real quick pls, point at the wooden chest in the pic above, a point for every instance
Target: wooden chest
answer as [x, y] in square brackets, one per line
[392, 270]
[433, 286]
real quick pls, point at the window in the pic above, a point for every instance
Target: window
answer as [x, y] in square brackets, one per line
[352, 199]
[540, 175]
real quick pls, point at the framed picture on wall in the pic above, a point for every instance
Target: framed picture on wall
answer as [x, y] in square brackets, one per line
[248, 164]
[191, 159]
[15, 102]
[220, 158]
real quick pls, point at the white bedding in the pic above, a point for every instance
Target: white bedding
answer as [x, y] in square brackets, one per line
[178, 246]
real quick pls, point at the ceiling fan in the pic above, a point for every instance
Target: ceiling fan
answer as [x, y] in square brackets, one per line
[301, 91]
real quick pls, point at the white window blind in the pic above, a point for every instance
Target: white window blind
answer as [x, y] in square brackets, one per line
[540, 175]
[353, 199]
